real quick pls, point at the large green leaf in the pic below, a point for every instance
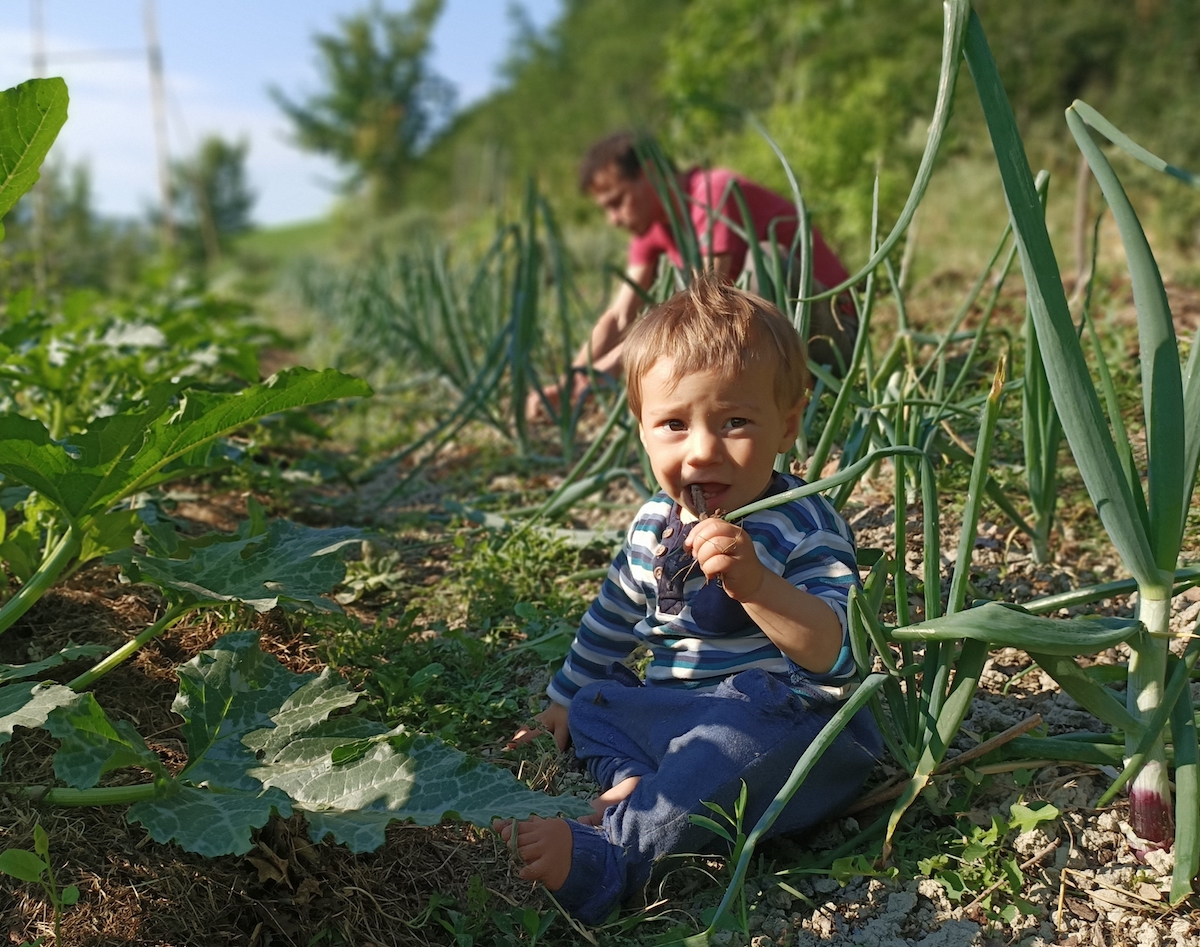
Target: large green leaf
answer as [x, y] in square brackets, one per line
[225, 693]
[31, 115]
[250, 723]
[1070, 381]
[208, 822]
[351, 778]
[213, 805]
[204, 416]
[289, 565]
[1008, 626]
[28, 456]
[92, 745]
[17, 672]
[257, 733]
[28, 705]
[72, 474]
[133, 449]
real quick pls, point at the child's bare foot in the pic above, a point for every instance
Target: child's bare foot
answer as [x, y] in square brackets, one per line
[610, 797]
[545, 847]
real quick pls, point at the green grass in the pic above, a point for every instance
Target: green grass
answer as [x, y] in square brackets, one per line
[289, 241]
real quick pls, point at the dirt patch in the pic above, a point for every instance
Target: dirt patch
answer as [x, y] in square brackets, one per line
[290, 891]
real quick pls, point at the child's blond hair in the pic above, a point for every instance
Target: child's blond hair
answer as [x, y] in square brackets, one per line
[711, 326]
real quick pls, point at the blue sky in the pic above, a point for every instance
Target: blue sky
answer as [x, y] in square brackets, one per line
[220, 56]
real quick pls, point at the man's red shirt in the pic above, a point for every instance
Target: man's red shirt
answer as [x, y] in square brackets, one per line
[704, 191]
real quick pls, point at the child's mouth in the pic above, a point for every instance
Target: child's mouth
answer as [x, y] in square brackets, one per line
[704, 498]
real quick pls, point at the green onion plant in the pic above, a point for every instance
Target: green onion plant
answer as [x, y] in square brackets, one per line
[1145, 524]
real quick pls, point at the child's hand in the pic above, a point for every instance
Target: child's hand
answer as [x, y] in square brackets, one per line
[553, 720]
[724, 549]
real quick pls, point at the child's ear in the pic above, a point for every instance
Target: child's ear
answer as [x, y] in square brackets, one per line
[792, 426]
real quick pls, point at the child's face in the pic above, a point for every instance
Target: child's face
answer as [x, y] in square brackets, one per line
[722, 434]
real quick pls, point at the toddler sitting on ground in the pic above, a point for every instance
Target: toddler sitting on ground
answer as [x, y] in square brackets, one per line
[746, 622]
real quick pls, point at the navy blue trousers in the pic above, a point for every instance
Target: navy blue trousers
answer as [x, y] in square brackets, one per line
[692, 746]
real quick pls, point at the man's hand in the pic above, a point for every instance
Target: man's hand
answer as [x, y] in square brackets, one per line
[535, 408]
[553, 720]
[723, 549]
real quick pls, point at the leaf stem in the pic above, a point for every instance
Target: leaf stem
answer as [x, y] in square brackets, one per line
[121, 654]
[46, 575]
[98, 796]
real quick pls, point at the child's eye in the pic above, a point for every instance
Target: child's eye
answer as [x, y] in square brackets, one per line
[675, 425]
[738, 422]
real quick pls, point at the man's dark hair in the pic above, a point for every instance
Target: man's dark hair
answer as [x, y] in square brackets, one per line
[620, 149]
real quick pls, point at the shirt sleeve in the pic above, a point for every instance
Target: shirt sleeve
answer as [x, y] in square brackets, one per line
[824, 563]
[606, 633]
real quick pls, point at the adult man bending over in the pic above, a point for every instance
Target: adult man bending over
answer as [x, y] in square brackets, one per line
[612, 174]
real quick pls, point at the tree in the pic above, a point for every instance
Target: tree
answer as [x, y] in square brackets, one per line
[846, 89]
[211, 196]
[77, 248]
[591, 72]
[380, 102]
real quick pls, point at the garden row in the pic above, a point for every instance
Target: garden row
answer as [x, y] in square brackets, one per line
[106, 404]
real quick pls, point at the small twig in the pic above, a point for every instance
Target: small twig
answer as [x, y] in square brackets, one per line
[988, 745]
[885, 793]
[1059, 925]
[1028, 863]
[893, 790]
[991, 769]
[1062, 879]
[579, 928]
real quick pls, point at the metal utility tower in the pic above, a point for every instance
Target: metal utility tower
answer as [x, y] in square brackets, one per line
[38, 29]
[158, 102]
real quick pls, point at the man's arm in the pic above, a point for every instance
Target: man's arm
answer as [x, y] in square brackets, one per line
[609, 332]
[603, 349]
[604, 346]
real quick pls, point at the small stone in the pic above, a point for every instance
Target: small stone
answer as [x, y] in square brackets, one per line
[1148, 936]
[1032, 842]
[1149, 892]
[825, 885]
[761, 941]
[902, 902]
[1161, 861]
[722, 938]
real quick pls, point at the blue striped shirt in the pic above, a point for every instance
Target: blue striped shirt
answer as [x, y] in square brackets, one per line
[805, 541]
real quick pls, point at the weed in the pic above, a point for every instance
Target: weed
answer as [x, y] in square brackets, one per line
[981, 859]
[36, 868]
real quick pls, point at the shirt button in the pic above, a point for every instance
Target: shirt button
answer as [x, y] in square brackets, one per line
[658, 572]
[661, 550]
[668, 532]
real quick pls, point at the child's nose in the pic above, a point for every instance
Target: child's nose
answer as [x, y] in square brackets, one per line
[703, 448]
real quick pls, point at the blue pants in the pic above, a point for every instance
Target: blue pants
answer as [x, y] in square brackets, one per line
[688, 746]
